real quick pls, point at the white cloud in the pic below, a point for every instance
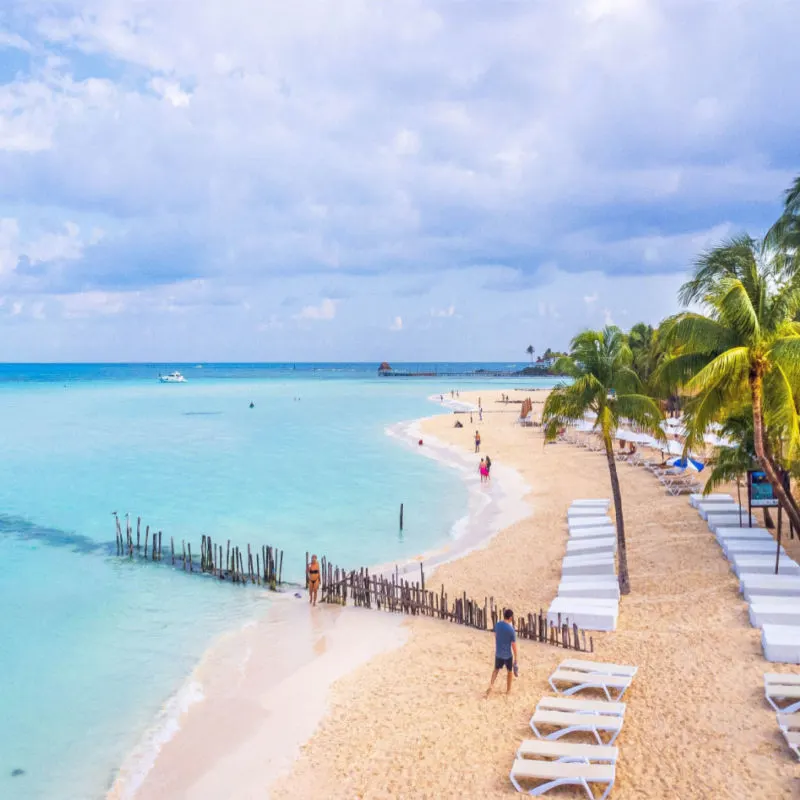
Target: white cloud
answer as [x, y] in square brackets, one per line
[607, 318]
[589, 299]
[397, 324]
[171, 91]
[444, 312]
[326, 310]
[89, 304]
[14, 41]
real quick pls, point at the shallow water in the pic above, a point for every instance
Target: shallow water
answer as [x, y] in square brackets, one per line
[93, 645]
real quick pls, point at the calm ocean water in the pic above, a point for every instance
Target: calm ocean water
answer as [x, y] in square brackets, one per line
[92, 645]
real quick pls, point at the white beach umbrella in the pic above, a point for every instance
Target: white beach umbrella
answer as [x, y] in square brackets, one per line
[717, 441]
[672, 448]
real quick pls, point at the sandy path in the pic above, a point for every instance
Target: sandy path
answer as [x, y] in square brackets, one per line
[412, 723]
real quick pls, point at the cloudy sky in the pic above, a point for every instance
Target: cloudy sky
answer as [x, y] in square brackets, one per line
[375, 179]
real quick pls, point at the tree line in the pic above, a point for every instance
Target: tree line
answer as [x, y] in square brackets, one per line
[730, 359]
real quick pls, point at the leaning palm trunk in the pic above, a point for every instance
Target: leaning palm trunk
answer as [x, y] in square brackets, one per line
[757, 393]
[622, 551]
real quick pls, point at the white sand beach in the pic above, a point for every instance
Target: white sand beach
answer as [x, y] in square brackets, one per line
[396, 705]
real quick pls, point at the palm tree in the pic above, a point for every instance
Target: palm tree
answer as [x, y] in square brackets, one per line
[641, 342]
[603, 383]
[530, 351]
[744, 349]
[784, 236]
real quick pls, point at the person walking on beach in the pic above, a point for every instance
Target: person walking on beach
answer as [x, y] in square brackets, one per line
[505, 650]
[312, 574]
[483, 471]
[488, 468]
[477, 442]
[480, 413]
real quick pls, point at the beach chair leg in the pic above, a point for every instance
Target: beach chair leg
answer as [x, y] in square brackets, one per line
[546, 787]
[536, 730]
[609, 787]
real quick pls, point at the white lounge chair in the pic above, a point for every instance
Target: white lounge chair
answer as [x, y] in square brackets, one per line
[744, 563]
[735, 547]
[757, 585]
[781, 644]
[694, 499]
[588, 565]
[779, 687]
[586, 511]
[600, 532]
[591, 614]
[778, 611]
[588, 502]
[565, 723]
[704, 508]
[568, 751]
[605, 588]
[790, 728]
[598, 667]
[594, 521]
[578, 681]
[725, 520]
[603, 544]
[578, 705]
[550, 774]
[728, 534]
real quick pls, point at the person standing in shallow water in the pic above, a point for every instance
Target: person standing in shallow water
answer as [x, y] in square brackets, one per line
[313, 580]
[488, 468]
[505, 650]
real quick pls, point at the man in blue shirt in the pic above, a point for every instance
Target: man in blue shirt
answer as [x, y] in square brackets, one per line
[505, 649]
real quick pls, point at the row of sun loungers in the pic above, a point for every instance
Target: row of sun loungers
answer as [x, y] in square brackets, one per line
[588, 595]
[547, 762]
[772, 598]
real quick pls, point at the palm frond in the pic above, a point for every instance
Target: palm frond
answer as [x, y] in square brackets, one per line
[729, 369]
[738, 308]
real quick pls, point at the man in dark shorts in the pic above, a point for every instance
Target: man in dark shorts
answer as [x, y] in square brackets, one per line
[505, 649]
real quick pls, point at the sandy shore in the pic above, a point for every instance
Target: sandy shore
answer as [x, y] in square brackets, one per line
[412, 722]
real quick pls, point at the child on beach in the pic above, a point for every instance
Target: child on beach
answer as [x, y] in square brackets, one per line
[477, 442]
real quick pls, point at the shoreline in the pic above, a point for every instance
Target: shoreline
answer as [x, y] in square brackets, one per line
[336, 649]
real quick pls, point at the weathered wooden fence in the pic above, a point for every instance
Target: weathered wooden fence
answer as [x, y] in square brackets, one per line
[413, 598]
[226, 563]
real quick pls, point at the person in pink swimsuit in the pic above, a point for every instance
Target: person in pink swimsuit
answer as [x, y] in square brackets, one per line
[484, 470]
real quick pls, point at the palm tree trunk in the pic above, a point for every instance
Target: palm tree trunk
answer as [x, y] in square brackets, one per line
[757, 393]
[622, 550]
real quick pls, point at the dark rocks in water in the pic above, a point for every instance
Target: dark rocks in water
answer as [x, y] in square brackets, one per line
[15, 773]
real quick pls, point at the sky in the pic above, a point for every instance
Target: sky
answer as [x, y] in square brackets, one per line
[316, 180]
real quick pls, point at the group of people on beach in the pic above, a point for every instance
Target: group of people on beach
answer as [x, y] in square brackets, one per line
[485, 469]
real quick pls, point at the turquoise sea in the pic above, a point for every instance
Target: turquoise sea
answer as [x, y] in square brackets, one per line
[92, 645]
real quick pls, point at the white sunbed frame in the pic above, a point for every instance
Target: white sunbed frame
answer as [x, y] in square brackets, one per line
[782, 686]
[562, 774]
[589, 680]
[566, 722]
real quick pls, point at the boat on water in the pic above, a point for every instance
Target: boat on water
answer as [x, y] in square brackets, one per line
[173, 377]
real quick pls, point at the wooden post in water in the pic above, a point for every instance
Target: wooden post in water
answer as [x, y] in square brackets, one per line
[258, 569]
[146, 537]
[159, 545]
[172, 547]
[190, 557]
[203, 552]
[401, 516]
[183, 543]
[138, 528]
[280, 569]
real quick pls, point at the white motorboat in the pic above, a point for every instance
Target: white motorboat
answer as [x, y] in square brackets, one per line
[173, 377]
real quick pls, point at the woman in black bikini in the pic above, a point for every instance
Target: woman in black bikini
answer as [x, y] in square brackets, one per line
[313, 580]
